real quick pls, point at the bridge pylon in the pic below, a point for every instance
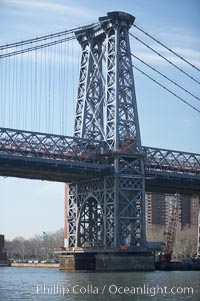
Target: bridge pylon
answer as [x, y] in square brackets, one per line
[105, 217]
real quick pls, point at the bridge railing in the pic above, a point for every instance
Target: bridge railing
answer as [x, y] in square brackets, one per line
[18, 143]
[171, 162]
[49, 146]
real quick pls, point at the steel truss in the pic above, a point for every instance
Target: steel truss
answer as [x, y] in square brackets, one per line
[49, 146]
[121, 109]
[117, 214]
[109, 212]
[90, 100]
[170, 163]
[50, 157]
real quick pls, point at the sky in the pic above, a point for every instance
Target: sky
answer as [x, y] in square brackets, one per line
[29, 207]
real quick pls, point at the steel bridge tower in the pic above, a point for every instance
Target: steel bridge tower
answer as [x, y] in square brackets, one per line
[105, 217]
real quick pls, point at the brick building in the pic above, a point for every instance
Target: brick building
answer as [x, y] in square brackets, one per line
[158, 207]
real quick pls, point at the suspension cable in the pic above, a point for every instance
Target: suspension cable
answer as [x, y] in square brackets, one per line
[163, 75]
[37, 47]
[172, 51]
[174, 94]
[46, 37]
[149, 47]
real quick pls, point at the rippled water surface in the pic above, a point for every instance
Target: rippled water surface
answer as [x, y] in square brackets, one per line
[51, 284]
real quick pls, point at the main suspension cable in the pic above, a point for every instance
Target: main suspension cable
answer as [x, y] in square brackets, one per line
[174, 94]
[37, 47]
[46, 37]
[169, 49]
[163, 75]
[149, 47]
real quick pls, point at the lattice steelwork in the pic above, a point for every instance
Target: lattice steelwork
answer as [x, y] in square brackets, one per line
[89, 110]
[110, 211]
[121, 109]
[171, 163]
[49, 146]
[74, 152]
[44, 156]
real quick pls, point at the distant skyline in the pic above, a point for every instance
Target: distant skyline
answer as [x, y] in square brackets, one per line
[31, 207]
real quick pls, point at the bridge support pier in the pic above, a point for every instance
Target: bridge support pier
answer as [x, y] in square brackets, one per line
[108, 262]
[84, 261]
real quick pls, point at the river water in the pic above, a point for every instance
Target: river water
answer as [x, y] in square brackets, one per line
[51, 284]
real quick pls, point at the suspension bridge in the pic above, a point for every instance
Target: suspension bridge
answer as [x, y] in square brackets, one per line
[104, 163]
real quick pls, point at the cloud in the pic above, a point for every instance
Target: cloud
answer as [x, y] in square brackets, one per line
[176, 36]
[191, 55]
[180, 40]
[71, 10]
[140, 50]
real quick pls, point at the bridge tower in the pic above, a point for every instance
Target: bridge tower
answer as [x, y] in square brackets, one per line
[105, 217]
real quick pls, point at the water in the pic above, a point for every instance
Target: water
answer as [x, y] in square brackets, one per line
[51, 284]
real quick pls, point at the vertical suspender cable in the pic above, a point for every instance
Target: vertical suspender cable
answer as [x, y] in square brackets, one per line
[62, 65]
[45, 94]
[13, 92]
[60, 87]
[26, 83]
[9, 92]
[5, 93]
[65, 84]
[49, 59]
[20, 90]
[35, 91]
[31, 93]
[53, 87]
[40, 90]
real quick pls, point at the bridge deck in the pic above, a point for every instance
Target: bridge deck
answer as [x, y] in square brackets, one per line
[43, 156]
[50, 170]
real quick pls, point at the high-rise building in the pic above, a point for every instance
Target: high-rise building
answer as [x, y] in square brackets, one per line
[156, 209]
[194, 205]
[158, 206]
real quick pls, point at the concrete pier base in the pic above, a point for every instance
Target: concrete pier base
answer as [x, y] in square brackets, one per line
[108, 262]
[82, 261]
[125, 262]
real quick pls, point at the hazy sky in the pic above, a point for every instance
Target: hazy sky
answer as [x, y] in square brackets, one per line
[28, 207]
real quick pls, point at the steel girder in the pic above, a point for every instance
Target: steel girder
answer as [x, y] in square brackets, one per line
[130, 199]
[106, 103]
[172, 164]
[90, 99]
[117, 217]
[17, 143]
[91, 213]
[123, 134]
[163, 163]
[122, 123]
